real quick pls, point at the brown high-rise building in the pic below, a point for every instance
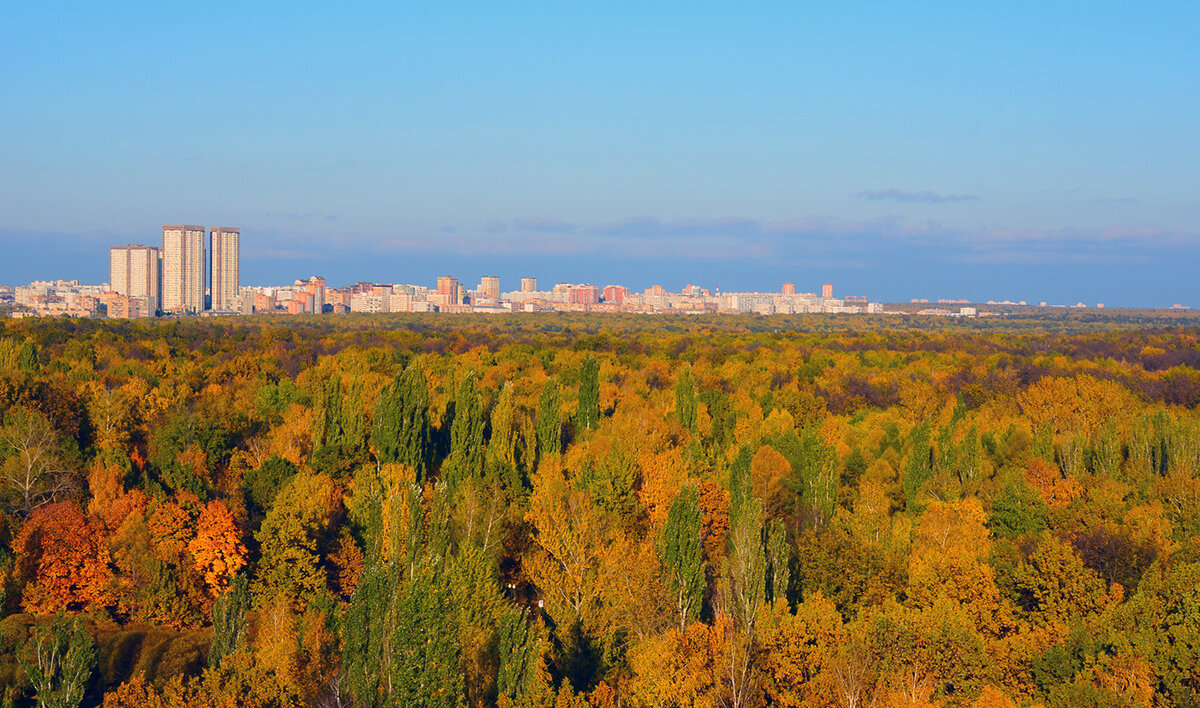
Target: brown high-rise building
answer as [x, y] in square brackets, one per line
[827, 291]
[135, 271]
[789, 288]
[226, 267]
[447, 286]
[183, 268]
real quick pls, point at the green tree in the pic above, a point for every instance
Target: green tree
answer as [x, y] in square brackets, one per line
[327, 423]
[292, 536]
[59, 660]
[681, 552]
[230, 631]
[589, 394]
[466, 434]
[263, 483]
[779, 558]
[401, 431]
[549, 421]
[919, 467]
[521, 640]
[1018, 510]
[29, 359]
[685, 399]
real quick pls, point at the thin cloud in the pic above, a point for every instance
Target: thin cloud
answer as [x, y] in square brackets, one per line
[545, 225]
[494, 226]
[907, 197]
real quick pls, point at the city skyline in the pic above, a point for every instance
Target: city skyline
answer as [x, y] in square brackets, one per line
[980, 151]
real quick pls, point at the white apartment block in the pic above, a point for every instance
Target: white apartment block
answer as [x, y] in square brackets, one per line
[183, 268]
[226, 267]
[136, 271]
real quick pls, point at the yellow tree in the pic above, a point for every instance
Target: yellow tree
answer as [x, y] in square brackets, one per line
[572, 558]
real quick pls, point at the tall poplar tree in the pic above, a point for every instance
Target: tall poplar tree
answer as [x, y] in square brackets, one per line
[681, 552]
[549, 421]
[685, 399]
[588, 416]
[401, 432]
[466, 434]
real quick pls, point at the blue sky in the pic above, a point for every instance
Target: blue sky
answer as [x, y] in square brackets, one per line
[982, 150]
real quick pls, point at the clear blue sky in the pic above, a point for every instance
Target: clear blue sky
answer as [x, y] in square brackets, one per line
[1037, 151]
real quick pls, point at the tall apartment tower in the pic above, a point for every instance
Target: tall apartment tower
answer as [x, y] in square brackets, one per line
[529, 285]
[447, 286]
[136, 271]
[183, 268]
[827, 291]
[490, 286]
[226, 267]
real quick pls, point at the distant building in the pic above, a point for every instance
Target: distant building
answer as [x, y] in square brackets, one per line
[183, 268]
[315, 286]
[489, 285]
[129, 308]
[789, 289]
[615, 293]
[529, 285]
[136, 271]
[827, 291]
[584, 294]
[226, 267]
[447, 287]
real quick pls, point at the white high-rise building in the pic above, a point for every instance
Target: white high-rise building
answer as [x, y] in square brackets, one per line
[183, 268]
[226, 267]
[136, 271]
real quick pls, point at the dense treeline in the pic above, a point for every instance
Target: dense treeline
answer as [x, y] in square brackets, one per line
[591, 511]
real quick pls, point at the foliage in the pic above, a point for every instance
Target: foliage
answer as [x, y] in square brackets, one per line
[600, 510]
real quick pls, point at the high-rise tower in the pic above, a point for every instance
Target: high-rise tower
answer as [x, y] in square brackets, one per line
[136, 271]
[183, 268]
[226, 267]
[489, 285]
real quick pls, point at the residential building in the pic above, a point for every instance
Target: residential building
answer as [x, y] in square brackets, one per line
[529, 285]
[447, 287]
[136, 271]
[226, 267]
[489, 285]
[183, 268]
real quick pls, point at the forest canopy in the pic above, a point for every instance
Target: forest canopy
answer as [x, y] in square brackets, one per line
[556, 511]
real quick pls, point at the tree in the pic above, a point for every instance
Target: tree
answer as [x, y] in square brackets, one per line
[919, 467]
[549, 422]
[59, 661]
[681, 553]
[401, 430]
[60, 561]
[508, 455]
[33, 469]
[572, 560]
[264, 482]
[522, 640]
[466, 434]
[230, 631]
[217, 549]
[291, 537]
[685, 399]
[588, 416]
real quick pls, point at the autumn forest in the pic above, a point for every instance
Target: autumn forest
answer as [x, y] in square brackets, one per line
[590, 512]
